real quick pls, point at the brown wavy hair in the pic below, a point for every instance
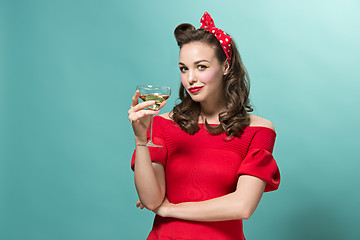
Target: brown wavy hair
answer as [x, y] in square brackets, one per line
[236, 87]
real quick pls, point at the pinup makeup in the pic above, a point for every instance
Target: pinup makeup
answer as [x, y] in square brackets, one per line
[195, 89]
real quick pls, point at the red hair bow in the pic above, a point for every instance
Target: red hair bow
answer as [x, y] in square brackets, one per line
[207, 23]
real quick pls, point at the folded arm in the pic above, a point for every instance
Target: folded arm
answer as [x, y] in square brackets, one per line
[237, 205]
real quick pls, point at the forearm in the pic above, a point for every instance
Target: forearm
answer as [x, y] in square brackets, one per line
[149, 185]
[237, 205]
[227, 207]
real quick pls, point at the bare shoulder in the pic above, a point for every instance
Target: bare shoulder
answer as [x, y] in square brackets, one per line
[261, 122]
[166, 115]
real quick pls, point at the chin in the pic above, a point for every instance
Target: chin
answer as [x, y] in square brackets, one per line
[196, 98]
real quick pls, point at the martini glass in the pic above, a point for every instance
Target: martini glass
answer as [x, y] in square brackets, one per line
[157, 94]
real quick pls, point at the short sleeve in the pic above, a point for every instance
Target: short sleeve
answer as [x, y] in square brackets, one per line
[157, 154]
[259, 161]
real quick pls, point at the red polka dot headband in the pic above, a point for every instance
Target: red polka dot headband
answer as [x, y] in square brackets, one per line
[207, 23]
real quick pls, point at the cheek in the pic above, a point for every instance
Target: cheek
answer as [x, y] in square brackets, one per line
[209, 76]
[183, 81]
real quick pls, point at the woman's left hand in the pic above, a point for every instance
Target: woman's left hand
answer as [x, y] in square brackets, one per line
[164, 209]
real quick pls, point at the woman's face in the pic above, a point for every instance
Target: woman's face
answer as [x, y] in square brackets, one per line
[201, 73]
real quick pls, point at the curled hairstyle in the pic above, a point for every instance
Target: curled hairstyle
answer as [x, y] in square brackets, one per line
[236, 88]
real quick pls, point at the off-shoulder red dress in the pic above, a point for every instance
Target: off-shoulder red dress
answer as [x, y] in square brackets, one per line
[203, 166]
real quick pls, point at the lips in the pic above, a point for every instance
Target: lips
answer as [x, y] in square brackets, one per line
[195, 89]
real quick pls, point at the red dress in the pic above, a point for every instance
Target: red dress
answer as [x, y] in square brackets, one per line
[203, 166]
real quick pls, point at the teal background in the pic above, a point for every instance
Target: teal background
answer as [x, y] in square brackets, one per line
[69, 69]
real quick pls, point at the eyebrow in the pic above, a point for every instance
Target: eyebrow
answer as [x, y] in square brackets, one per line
[197, 62]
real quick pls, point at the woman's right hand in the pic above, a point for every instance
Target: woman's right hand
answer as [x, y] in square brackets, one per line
[140, 117]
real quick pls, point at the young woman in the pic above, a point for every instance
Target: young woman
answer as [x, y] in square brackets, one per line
[217, 157]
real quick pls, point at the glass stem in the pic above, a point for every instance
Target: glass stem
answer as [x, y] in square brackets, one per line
[151, 127]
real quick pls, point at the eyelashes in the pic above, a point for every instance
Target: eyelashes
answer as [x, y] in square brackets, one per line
[183, 69]
[199, 67]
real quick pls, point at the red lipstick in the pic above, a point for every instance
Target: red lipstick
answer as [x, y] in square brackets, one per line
[195, 89]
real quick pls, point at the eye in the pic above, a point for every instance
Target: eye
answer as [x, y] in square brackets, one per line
[183, 69]
[202, 67]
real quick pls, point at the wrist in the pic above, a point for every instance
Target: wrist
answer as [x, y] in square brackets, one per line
[140, 141]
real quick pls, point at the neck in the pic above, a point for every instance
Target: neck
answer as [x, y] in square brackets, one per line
[210, 111]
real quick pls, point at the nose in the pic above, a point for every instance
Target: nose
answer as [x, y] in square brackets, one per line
[192, 77]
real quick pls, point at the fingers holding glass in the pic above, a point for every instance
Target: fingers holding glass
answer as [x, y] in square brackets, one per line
[157, 95]
[135, 98]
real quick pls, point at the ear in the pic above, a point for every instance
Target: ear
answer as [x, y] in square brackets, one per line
[226, 67]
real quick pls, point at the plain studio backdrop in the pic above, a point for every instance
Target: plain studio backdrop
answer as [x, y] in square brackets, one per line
[69, 70]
